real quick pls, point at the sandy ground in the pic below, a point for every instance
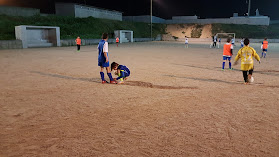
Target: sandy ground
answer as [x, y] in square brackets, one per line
[182, 30]
[177, 102]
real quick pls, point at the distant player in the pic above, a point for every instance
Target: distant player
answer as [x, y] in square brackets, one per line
[211, 45]
[78, 42]
[241, 43]
[233, 41]
[246, 54]
[186, 42]
[214, 41]
[121, 71]
[117, 41]
[219, 42]
[264, 47]
[103, 59]
[227, 53]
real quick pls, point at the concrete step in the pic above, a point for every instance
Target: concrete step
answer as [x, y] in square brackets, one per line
[38, 41]
[40, 45]
[124, 40]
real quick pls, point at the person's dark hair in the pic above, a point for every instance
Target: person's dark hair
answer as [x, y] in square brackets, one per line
[104, 36]
[265, 38]
[246, 41]
[113, 65]
[229, 40]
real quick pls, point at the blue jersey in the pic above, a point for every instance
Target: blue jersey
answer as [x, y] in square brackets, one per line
[124, 71]
[101, 58]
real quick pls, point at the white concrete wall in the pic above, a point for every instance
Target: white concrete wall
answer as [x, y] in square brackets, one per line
[256, 20]
[184, 17]
[18, 11]
[124, 34]
[20, 32]
[10, 44]
[38, 36]
[86, 11]
[264, 20]
[116, 33]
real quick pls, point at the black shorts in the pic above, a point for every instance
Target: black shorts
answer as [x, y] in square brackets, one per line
[245, 74]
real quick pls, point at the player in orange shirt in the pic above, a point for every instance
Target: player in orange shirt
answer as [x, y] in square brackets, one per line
[264, 47]
[78, 42]
[117, 41]
[227, 53]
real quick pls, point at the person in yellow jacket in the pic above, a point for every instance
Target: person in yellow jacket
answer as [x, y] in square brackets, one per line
[247, 64]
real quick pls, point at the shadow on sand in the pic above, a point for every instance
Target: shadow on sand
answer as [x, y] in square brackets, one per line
[96, 80]
[128, 83]
[150, 85]
[264, 72]
[202, 79]
[222, 81]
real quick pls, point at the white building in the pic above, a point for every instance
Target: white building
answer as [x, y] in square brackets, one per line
[79, 10]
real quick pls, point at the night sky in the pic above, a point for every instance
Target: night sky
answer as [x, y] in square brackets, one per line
[165, 8]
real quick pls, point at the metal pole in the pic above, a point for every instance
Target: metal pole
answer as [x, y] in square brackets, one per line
[249, 7]
[151, 18]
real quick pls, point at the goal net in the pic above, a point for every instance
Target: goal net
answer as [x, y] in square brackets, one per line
[222, 37]
[124, 35]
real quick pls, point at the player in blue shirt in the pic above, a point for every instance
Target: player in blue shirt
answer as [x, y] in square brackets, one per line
[233, 41]
[103, 59]
[121, 71]
[219, 42]
[241, 43]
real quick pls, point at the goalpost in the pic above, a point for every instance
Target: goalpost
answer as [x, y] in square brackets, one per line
[124, 35]
[223, 35]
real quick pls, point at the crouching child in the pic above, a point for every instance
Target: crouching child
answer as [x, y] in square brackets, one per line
[121, 71]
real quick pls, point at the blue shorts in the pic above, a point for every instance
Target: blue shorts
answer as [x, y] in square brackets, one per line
[103, 64]
[265, 50]
[126, 74]
[227, 58]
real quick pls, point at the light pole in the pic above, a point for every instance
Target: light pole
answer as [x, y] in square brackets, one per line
[249, 7]
[151, 18]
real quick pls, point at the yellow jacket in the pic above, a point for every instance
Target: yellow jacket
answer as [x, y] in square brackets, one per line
[246, 54]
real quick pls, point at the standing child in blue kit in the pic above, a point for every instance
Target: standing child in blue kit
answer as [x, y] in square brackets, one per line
[103, 59]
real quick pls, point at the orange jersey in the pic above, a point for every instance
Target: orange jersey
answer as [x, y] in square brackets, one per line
[265, 44]
[78, 41]
[227, 49]
[117, 40]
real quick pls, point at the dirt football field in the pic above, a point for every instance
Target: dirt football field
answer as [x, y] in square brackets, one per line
[177, 102]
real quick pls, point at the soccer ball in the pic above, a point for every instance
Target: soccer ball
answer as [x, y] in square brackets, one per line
[252, 79]
[120, 82]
